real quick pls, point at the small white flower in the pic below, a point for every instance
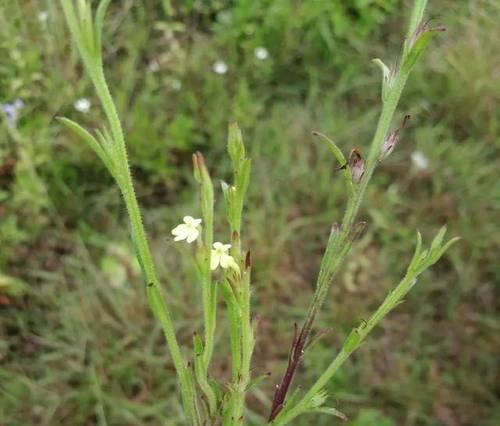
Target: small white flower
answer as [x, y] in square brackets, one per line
[43, 16]
[82, 105]
[189, 230]
[419, 160]
[261, 53]
[219, 67]
[154, 66]
[220, 257]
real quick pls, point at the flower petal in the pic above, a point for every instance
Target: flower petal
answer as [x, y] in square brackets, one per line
[181, 232]
[192, 235]
[228, 261]
[218, 246]
[214, 260]
[188, 220]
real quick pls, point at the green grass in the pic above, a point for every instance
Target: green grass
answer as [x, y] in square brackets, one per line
[78, 345]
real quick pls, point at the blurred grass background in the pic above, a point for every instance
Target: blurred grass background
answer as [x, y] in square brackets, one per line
[77, 343]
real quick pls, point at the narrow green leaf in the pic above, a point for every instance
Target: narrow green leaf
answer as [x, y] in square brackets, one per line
[99, 22]
[436, 242]
[448, 245]
[256, 382]
[71, 18]
[243, 177]
[416, 16]
[235, 146]
[91, 141]
[330, 411]
[416, 46]
[386, 77]
[336, 151]
[416, 254]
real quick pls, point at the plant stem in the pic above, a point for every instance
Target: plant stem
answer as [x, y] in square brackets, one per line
[390, 302]
[155, 298]
[246, 344]
[338, 250]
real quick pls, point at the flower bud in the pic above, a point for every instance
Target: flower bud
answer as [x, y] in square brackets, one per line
[357, 165]
[392, 140]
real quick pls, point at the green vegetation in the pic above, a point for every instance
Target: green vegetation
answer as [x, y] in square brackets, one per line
[79, 345]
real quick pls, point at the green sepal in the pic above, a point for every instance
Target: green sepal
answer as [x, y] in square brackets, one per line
[197, 345]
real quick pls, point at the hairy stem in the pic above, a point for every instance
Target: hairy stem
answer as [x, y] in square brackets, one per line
[338, 249]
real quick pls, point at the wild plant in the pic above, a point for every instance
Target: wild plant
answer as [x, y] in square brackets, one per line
[224, 268]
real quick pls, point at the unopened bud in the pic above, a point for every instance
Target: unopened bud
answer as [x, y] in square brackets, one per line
[198, 166]
[392, 140]
[357, 165]
[334, 230]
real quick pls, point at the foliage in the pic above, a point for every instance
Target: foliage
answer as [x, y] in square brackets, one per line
[56, 358]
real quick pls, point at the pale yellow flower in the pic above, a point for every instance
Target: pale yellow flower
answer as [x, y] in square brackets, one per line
[219, 256]
[189, 230]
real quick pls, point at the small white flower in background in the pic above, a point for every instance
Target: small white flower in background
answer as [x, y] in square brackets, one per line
[219, 67]
[154, 66]
[43, 16]
[11, 111]
[419, 160]
[219, 256]
[189, 230]
[225, 17]
[82, 105]
[261, 53]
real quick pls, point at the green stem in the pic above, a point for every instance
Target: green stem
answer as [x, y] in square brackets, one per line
[335, 254]
[389, 303]
[156, 300]
[246, 344]
[338, 248]
[209, 290]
